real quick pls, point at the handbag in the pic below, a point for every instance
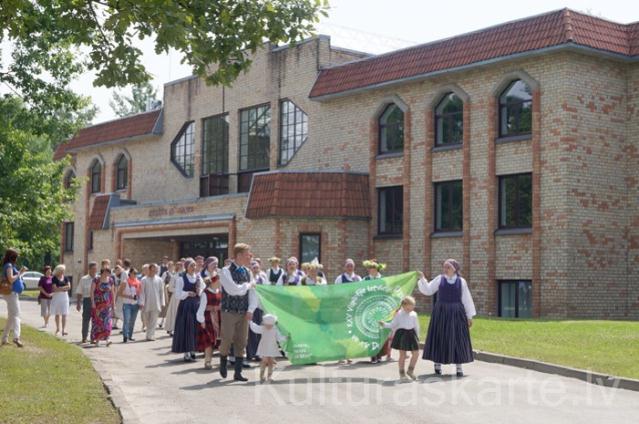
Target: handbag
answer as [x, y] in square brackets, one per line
[5, 286]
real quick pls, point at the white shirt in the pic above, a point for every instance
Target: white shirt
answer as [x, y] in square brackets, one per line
[319, 281]
[233, 289]
[430, 288]
[262, 278]
[179, 285]
[353, 277]
[404, 320]
[84, 286]
[152, 294]
[284, 278]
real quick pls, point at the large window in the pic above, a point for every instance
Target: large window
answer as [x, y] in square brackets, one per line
[96, 176]
[448, 206]
[515, 201]
[255, 135]
[215, 156]
[515, 110]
[121, 173]
[515, 299]
[391, 210]
[449, 121]
[391, 130]
[68, 236]
[310, 247]
[182, 150]
[293, 130]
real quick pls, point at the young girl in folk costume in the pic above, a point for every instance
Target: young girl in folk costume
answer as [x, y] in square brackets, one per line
[267, 349]
[292, 276]
[312, 278]
[171, 312]
[448, 340]
[374, 268]
[209, 318]
[349, 275]
[406, 338]
[254, 338]
[274, 272]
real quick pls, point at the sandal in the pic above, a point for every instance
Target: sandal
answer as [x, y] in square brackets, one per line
[207, 365]
[18, 343]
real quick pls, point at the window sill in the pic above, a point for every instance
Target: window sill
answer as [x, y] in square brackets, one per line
[388, 237]
[512, 231]
[389, 155]
[446, 234]
[513, 138]
[446, 148]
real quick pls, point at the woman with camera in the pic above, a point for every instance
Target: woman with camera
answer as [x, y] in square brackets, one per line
[129, 292]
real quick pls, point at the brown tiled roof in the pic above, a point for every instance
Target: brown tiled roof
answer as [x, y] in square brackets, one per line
[562, 27]
[119, 129]
[99, 212]
[309, 194]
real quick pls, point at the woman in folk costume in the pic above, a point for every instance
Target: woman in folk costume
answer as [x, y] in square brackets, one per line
[254, 338]
[188, 288]
[448, 340]
[374, 268]
[166, 279]
[275, 271]
[209, 318]
[312, 277]
[174, 302]
[348, 276]
[268, 349]
[210, 267]
[293, 276]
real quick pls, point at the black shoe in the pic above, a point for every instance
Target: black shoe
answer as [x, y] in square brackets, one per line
[124, 340]
[131, 339]
[438, 371]
[238, 370]
[246, 365]
[460, 373]
[223, 361]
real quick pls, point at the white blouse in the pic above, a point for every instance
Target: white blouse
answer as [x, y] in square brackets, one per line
[201, 310]
[430, 288]
[179, 285]
[404, 320]
[353, 277]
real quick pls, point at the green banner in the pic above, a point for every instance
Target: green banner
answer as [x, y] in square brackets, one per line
[333, 322]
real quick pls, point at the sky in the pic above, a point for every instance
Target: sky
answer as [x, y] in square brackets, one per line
[377, 26]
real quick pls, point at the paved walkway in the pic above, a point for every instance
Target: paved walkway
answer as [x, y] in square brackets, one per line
[152, 385]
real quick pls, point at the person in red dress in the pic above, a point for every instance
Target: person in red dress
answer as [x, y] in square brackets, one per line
[209, 318]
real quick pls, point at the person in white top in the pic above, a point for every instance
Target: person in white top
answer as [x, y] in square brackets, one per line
[83, 298]
[313, 278]
[349, 275]
[151, 300]
[174, 301]
[274, 272]
[268, 348]
[292, 276]
[448, 340]
[406, 339]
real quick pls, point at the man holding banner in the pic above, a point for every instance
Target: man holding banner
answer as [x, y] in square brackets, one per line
[238, 303]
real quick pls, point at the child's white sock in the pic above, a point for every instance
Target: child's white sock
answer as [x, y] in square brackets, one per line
[438, 367]
[459, 367]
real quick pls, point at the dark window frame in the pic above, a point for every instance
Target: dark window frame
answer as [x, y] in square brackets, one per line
[96, 177]
[450, 118]
[506, 109]
[319, 244]
[517, 210]
[385, 127]
[501, 300]
[122, 172]
[90, 241]
[174, 156]
[69, 230]
[450, 185]
[284, 129]
[215, 183]
[255, 167]
[68, 178]
[393, 231]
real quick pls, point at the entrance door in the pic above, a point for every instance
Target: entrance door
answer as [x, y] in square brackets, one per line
[210, 245]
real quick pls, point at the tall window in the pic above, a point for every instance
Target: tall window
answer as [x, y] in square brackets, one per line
[121, 173]
[448, 206]
[391, 210]
[96, 176]
[310, 247]
[90, 247]
[515, 299]
[515, 110]
[68, 179]
[515, 201]
[215, 156]
[255, 135]
[182, 150]
[293, 130]
[449, 121]
[68, 236]
[391, 130]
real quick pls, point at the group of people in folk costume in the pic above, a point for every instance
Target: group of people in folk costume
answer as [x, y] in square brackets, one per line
[204, 307]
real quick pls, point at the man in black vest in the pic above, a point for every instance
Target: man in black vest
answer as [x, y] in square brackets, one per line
[239, 300]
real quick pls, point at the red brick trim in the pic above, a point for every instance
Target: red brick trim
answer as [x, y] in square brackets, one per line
[491, 189]
[466, 187]
[278, 242]
[536, 202]
[406, 190]
[428, 187]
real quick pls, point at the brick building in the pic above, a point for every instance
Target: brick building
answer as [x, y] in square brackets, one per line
[514, 149]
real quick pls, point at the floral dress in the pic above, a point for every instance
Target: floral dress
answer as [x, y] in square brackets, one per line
[102, 314]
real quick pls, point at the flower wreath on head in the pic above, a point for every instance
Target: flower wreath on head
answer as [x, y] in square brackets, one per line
[372, 263]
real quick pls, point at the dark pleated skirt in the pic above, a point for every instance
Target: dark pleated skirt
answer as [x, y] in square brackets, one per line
[254, 338]
[405, 340]
[448, 339]
[185, 332]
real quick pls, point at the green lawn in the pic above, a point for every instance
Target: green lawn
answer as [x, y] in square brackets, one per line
[32, 294]
[50, 381]
[610, 347]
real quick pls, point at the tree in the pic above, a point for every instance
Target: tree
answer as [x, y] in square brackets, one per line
[142, 95]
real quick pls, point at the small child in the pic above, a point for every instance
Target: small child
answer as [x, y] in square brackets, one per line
[406, 338]
[267, 349]
[208, 317]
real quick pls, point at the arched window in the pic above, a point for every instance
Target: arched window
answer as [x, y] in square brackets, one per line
[182, 150]
[515, 110]
[449, 120]
[68, 179]
[121, 173]
[96, 176]
[391, 130]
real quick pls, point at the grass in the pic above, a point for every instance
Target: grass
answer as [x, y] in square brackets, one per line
[32, 294]
[610, 347]
[50, 381]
